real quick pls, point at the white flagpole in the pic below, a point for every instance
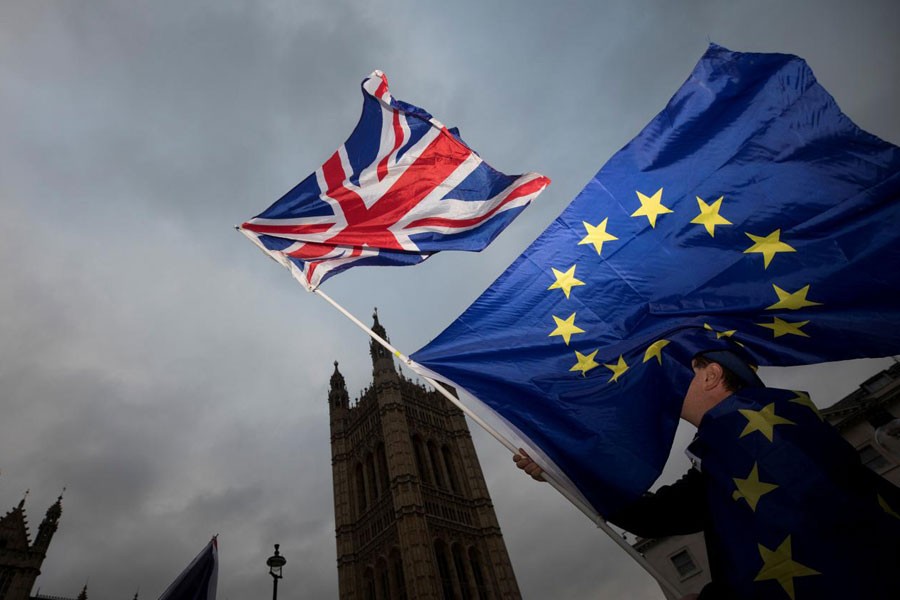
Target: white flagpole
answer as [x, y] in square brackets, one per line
[599, 521]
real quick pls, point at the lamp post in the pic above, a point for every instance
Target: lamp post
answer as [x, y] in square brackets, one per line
[275, 562]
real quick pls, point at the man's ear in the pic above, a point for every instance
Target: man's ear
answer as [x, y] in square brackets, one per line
[714, 376]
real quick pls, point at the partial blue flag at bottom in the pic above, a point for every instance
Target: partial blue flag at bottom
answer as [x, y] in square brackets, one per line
[198, 581]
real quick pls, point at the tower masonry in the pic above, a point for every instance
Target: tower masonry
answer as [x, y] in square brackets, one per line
[20, 559]
[413, 516]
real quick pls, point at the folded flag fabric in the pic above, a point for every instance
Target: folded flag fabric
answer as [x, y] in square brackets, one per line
[198, 581]
[751, 210]
[401, 188]
[793, 512]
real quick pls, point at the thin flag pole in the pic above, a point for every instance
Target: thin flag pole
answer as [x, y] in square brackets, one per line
[599, 521]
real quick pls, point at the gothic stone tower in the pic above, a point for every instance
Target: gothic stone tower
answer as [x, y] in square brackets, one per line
[20, 560]
[413, 516]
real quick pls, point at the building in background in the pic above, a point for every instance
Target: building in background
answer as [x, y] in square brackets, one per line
[682, 559]
[413, 516]
[20, 558]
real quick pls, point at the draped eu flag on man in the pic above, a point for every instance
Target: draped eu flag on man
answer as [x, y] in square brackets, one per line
[788, 509]
[751, 209]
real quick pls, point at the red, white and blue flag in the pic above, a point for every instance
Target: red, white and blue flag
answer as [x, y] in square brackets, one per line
[401, 188]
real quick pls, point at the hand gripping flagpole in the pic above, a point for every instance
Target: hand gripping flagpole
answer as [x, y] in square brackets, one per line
[599, 521]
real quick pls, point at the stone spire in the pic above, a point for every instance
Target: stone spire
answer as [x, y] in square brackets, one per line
[49, 525]
[14, 528]
[337, 395]
[21, 560]
[382, 360]
[375, 349]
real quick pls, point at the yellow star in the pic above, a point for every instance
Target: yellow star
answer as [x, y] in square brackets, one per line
[763, 421]
[597, 235]
[720, 334]
[566, 328]
[780, 328]
[618, 369]
[779, 565]
[768, 246]
[793, 301]
[651, 207]
[803, 399]
[709, 215]
[585, 362]
[751, 489]
[655, 350]
[565, 281]
[887, 507]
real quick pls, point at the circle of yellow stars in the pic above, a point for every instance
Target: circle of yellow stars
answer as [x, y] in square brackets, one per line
[653, 207]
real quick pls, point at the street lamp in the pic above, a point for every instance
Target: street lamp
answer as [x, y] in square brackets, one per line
[275, 562]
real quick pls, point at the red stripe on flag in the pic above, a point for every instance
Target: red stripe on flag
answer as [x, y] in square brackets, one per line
[288, 229]
[382, 87]
[335, 178]
[310, 271]
[312, 264]
[311, 251]
[398, 141]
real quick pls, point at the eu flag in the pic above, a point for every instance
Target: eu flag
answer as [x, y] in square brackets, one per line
[751, 209]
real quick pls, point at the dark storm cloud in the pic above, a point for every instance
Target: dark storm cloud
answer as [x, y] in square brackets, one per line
[153, 361]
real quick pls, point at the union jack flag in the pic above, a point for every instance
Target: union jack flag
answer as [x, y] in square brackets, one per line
[401, 188]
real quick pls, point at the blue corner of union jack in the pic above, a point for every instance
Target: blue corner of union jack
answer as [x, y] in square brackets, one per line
[401, 188]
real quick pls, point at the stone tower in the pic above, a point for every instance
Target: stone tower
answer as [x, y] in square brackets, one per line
[20, 560]
[413, 515]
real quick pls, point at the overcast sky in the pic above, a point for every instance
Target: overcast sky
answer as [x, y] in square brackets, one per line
[153, 361]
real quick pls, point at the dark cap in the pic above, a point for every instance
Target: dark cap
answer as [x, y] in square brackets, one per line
[736, 365]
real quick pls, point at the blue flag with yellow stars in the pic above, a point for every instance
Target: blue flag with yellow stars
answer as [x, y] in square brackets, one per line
[793, 512]
[751, 208]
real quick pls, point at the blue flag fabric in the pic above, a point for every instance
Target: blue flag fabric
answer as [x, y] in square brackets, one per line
[199, 580]
[794, 512]
[750, 208]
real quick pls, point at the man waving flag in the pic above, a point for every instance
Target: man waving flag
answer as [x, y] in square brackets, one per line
[401, 188]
